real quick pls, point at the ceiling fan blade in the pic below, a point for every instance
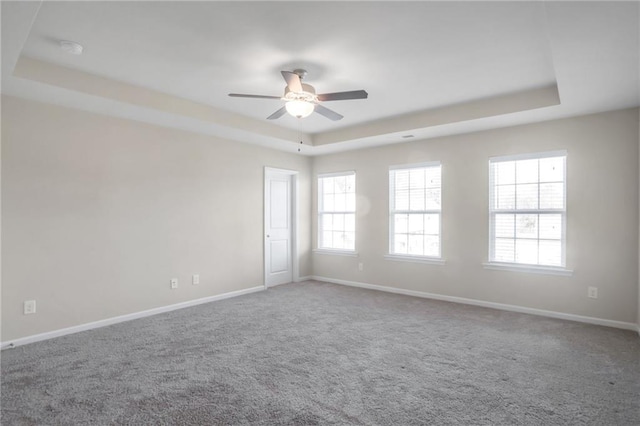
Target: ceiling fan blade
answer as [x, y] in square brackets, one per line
[331, 115]
[343, 96]
[279, 113]
[293, 81]
[240, 95]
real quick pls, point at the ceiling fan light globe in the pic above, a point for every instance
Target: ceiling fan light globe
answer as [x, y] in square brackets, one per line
[299, 109]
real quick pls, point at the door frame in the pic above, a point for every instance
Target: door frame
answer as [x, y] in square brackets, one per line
[293, 174]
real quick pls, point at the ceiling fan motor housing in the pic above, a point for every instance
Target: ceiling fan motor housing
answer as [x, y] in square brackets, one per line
[300, 73]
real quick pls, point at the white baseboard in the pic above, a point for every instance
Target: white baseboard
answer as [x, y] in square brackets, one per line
[485, 304]
[181, 305]
[295, 280]
[122, 318]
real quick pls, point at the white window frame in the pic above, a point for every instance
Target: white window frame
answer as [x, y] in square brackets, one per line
[328, 250]
[392, 212]
[519, 266]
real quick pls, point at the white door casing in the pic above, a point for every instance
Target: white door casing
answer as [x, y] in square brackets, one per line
[279, 226]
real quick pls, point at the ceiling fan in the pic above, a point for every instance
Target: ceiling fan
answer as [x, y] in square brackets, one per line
[301, 99]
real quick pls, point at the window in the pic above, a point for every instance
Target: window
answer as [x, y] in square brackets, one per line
[527, 209]
[337, 211]
[414, 210]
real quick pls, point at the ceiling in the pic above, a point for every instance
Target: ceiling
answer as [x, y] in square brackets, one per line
[430, 68]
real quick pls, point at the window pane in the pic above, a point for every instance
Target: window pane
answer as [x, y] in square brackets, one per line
[328, 204]
[402, 179]
[338, 240]
[416, 178]
[416, 190]
[504, 172]
[550, 253]
[338, 222]
[432, 224]
[327, 222]
[527, 226]
[402, 200]
[336, 194]
[552, 196]
[401, 224]
[432, 177]
[504, 250]
[551, 226]
[416, 224]
[506, 197]
[433, 199]
[343, 240]
[538, 236]
[431, 246]
[350, 222]
[351, 202]
[527, 251]
[349, 241]
[327, 239]
[327, 185]
[350, 183]
[400, 243]
[527, 171]
[340, 203]
[504, 225]
[416, 244]
[417, 199]
[552, 169]
[527, 196]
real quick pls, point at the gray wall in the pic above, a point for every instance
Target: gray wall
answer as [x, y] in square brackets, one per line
[602, 206]
[99, 214]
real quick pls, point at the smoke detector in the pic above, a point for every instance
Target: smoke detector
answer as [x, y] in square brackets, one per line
[71, 47]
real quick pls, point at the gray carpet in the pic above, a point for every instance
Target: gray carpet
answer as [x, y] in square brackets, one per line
[317, 353]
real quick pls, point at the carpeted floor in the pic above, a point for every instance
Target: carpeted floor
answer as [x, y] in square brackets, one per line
[317, 353]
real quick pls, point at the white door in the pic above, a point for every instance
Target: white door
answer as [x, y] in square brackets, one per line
[278, 225]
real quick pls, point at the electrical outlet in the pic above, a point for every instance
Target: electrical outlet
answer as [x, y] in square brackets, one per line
[195, 279]
[360, 266]
[174, 283]
[29, 307]
[592, 292]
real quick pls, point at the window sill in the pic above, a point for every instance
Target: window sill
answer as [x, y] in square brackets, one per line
[348, 253]
[533, 269]
[415, 259]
